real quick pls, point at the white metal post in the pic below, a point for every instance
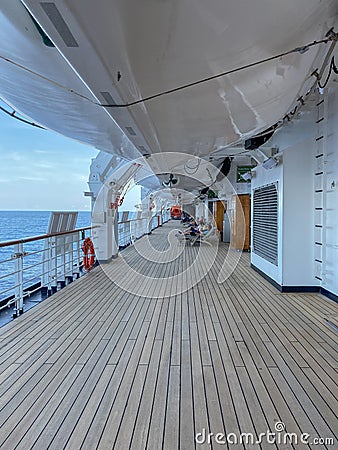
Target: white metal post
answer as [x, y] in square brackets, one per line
[68, 258]
[78, 253]
[54, 265]
[18, 254]
[62, 250]
[105, 233]
[149, 214]
[115, 229]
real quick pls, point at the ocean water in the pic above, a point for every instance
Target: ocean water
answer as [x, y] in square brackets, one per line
[25, 224]
[22, 224]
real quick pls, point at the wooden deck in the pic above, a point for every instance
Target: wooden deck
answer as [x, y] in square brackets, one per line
[96, 367]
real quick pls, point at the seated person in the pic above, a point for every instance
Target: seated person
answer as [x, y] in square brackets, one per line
[201, 221]
[192, 230]
[205, 229]
[186, 219]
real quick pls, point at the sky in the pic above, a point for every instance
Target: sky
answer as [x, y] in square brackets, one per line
[42, 170]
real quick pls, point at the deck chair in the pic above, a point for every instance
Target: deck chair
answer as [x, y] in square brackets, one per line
[182, 238]
[205, 238]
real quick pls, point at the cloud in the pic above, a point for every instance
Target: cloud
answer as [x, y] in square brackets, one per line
[43, 165]
[31, 179]
[41, 169]
[15, 156]
[45, 152]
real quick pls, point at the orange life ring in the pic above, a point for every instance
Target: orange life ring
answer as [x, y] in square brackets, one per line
[88, 254]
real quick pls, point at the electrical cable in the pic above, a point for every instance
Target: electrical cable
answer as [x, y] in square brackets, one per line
[333, 37]
[300, 50]
[219, 75]
[12, 114]
[332, 68]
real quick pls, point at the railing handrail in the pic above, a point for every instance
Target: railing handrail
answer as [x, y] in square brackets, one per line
[60, 262]
[42, 236]
[132, 220]
[60, 233]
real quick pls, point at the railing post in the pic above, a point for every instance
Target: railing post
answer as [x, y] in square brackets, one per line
[45, 269]
[53, 266]
[59, 257]
[70, 259]
[18, 255]
[128, 226]
[61, 246]
[80, 236]
[49, 266]
[115, 246]
[145, 226]
[137, 228]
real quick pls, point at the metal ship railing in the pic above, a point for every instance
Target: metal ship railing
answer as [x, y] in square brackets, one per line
[41, 265]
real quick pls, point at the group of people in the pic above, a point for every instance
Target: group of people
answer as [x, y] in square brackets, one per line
[198, 227]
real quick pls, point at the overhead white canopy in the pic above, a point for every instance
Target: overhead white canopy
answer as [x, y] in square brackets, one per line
[122, 51]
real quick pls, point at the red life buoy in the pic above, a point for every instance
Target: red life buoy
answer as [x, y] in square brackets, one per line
[88, 254]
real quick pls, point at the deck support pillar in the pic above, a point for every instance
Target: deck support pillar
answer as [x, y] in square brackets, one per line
[105, 226]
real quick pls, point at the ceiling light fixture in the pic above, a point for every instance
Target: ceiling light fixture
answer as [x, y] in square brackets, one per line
[172, 181]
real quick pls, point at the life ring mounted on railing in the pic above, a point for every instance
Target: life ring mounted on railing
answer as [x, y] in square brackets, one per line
[88, 254]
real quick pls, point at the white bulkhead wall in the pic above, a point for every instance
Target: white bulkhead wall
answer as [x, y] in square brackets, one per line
[298, 215]
[296, 195]
[330, 278]
[294, 178]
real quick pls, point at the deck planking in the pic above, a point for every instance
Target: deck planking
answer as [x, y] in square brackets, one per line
[96, 367]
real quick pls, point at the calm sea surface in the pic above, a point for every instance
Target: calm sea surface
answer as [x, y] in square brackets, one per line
[23, 224]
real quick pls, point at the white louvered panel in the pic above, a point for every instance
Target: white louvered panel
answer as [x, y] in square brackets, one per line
[265, 223]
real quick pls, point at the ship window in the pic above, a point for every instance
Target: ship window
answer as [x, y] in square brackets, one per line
[265, 222]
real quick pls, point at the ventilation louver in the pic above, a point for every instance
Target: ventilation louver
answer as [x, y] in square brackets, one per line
[60, 25]
[108, 98]
[265, 223]
[131, 131]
